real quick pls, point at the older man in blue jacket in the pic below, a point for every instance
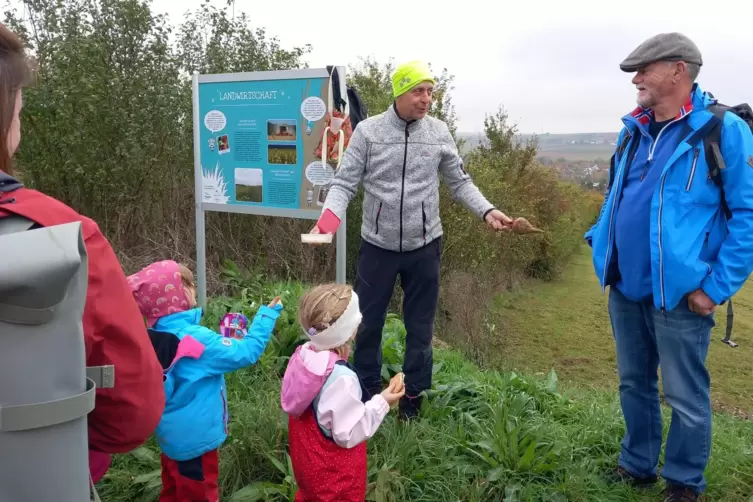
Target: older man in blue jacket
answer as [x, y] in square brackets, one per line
[670, 255]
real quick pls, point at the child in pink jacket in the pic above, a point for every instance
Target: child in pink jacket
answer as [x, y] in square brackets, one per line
[329, 422]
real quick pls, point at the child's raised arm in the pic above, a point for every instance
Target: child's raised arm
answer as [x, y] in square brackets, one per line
[225, 355]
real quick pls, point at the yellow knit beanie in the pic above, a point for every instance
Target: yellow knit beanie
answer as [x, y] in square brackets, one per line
[409, 75]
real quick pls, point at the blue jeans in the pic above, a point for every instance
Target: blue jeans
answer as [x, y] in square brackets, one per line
[677, 340]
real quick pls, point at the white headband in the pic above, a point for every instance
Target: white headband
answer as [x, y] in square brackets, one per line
[342, 329]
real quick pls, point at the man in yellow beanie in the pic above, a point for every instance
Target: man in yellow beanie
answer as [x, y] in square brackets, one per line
[399, 155]
[413, 86]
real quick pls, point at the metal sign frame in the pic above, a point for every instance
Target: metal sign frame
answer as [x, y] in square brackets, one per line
[202, 207]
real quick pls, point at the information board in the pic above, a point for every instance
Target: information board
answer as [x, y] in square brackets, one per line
[255, 149]
[258, 142]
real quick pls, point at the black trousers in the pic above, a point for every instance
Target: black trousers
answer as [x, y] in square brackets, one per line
[378, 270]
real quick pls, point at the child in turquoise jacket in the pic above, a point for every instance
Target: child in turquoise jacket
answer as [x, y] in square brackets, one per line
[194, 359]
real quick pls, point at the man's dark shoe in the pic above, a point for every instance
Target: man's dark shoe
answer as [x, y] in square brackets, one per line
[409, 408]
[675, 493]
[621, 475]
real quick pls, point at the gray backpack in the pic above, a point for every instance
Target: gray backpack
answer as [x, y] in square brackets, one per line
[46, 390]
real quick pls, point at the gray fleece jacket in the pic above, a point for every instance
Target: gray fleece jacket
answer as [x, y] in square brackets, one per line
[399, 163]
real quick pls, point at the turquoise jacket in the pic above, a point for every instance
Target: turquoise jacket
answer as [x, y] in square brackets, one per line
[196, 414]
[692, 243]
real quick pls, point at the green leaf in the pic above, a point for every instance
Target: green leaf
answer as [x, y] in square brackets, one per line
[512, 491]
[148, 477]
[385, 373]
[525, 461]
[256, 492]
[146, 455]
[276, 463]
[551, 381]
[485, 444]
[496, 474]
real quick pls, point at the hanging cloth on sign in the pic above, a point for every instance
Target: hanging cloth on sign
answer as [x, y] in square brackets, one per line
[337, 128]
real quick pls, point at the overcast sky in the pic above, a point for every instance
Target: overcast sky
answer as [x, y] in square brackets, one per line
[553, 65]
[248, 176]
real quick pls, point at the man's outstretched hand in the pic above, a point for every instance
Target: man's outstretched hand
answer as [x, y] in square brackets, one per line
[498, 220]
[700, 303]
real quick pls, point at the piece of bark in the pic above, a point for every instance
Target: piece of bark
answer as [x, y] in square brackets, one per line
[523, 226]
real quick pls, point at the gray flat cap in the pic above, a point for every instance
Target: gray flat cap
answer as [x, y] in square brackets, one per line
[662, 47]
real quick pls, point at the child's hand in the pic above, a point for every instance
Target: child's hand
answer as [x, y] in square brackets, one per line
[399, 381]
[274, 302]
[395, 391]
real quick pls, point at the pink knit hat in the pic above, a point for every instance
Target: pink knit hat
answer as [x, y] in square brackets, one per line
[158, 291]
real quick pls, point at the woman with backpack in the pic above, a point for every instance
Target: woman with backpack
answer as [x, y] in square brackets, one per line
[126, 415]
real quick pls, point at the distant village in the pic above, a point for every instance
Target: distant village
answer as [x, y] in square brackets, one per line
[580, 158]
[591, 174]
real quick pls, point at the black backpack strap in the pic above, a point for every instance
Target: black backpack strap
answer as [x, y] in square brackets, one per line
[711, 146]
[617, 155]
[620, 152]
[730, 320]
[712, 140]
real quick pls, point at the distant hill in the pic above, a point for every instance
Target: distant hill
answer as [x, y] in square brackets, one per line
[582, 158]
[567, 147]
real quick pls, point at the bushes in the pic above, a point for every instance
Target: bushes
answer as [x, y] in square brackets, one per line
[510, 177]
[107, 127]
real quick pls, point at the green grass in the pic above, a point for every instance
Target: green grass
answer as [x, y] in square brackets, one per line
[565, 325]
[282, 154]
[485, 434]
[249, 193]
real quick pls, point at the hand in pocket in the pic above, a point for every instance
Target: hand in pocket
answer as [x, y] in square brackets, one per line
[700, 303]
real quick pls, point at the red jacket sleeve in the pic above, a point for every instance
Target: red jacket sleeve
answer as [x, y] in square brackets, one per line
[126, 415]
